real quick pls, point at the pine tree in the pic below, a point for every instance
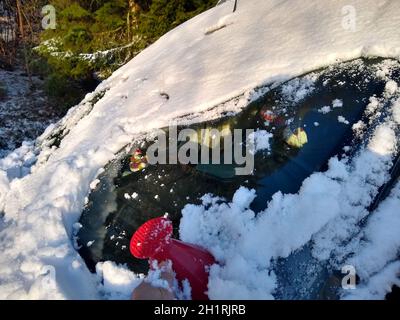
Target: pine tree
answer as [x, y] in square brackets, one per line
[98, 36]
[165, 15]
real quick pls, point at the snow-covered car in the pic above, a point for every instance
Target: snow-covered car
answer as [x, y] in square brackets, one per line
[333, 108]
[323, 196]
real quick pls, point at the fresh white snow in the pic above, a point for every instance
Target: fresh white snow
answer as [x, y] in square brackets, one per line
[260, 141]
[325, 109]
[134, 195]
[343, 120]
[297, 89]
[337, 103]
[116, 281]
[263, 44]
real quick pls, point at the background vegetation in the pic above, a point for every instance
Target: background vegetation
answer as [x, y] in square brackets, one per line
[92, 38]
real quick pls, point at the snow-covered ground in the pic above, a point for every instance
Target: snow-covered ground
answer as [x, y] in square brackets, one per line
[24, 113]
[207, 66]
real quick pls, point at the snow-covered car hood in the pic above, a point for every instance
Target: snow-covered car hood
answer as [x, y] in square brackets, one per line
[206, 66]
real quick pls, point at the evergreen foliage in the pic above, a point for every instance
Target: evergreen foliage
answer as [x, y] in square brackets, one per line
[87, 30]
[94, 38]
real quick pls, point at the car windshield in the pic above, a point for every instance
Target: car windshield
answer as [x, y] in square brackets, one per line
[302, 123]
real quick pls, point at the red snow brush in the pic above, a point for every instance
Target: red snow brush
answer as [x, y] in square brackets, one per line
[153, 241]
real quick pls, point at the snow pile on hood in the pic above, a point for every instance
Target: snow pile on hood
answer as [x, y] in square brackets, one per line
[216, 59]
[118, 282]
[377, 260]
[260, 141]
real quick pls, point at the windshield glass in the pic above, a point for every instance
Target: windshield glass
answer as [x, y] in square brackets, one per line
[299, 125]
